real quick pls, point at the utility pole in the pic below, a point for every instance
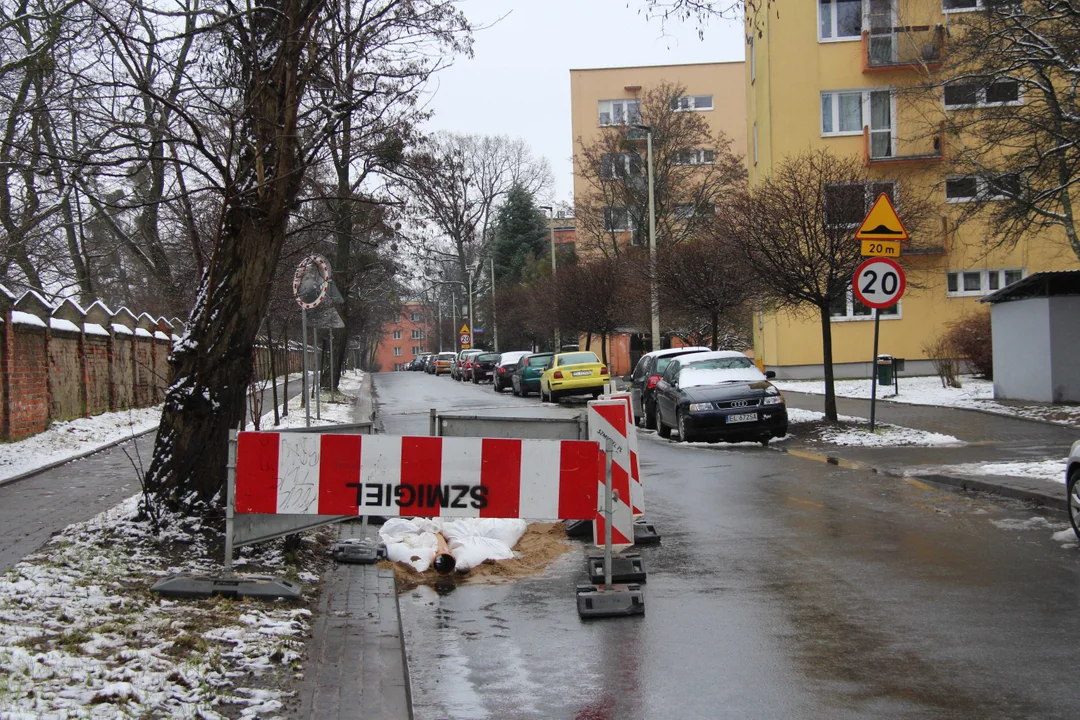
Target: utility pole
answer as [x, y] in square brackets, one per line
[654, 289]
[551, 228]
[494, 322]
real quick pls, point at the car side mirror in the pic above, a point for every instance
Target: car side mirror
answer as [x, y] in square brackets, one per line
[770, 374]
[628, 378]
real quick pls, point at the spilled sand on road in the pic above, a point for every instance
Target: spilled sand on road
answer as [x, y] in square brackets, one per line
[540, 546]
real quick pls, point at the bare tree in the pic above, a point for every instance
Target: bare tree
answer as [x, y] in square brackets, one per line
[454, 183]
[1010, 81]
[694, 170]
[796, 231]
[704, 281]
[590, 297]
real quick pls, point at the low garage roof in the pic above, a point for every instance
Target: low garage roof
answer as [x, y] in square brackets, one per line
[1041, 284]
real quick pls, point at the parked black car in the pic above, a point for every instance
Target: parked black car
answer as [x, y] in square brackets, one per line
[504, 369]
[719, 396]
[644, 378]
[483, 366]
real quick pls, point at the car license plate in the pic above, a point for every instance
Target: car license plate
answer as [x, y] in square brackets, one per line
[742, 417]
[576, 373]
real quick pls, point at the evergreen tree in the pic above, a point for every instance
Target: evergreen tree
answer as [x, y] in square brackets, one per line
[521, 236]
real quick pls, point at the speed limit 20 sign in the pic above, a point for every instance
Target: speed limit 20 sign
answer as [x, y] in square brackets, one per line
[879, 283]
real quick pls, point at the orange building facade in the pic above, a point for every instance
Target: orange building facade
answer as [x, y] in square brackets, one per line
[403, 338]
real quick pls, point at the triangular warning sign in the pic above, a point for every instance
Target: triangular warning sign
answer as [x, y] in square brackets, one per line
[882, 222]
[464, 329]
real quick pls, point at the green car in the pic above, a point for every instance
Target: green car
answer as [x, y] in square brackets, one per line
[526, 378]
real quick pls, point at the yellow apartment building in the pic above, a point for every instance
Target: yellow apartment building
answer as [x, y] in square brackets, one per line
[838, 74]
[605, 97]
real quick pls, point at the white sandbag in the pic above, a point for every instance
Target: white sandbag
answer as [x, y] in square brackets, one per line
[417, 550]
[507, 531]
[473, 550]
[395, 530]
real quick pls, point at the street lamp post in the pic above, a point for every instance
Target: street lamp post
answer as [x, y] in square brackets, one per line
[472, 271]
[654, 290]
[551, 227]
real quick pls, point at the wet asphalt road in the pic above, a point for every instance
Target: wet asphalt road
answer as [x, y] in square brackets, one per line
[784, 588]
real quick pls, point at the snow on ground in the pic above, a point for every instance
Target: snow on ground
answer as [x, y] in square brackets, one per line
[884, 435]
[65, 440]
[336, 411]
[80, 636]
[974, 394]
[1050, 470]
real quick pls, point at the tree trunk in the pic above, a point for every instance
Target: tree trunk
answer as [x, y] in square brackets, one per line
[603, 347]
[588, 340]
[212, 367]
[827, 363]
[715, 344]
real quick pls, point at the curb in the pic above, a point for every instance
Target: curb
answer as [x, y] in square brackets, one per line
[44, 468]
[1052, 502]
[991, 413]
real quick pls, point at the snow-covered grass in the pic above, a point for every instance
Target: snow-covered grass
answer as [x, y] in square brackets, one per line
[337, 410]
[974, 394]
[65, 440]
[856, 432]
[1049, 470]
[81, 635]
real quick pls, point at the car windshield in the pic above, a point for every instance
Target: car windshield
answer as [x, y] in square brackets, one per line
[578, 357]
[487, 357]
[725, 363]
[714, 371]
[538, 360]
[446, 356]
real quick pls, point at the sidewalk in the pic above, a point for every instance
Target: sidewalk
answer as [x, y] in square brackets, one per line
[989, 438]
[357, 669]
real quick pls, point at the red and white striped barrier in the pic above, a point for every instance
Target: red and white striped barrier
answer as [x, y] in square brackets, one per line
[608, 421]
[637, 490]
[313, 474]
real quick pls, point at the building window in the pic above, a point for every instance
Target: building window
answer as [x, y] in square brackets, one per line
[845, 113]
[619, 112]
[755, 143]
[846, 205]
[694, 157]
[685, 211]
[692, 102]
[417, 334]
[753, 59]
[415, 317]
[846, 307]
[969, 95]
[970, 188]
[617, 219]
[840, 19]
[397, 334]
[620, 165]
[415, 349]
[969, 283]
[397, 352]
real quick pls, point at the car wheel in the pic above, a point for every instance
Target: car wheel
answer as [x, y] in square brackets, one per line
[764, 441]
[496, 386]
[595, 394]
[1073, 485]
[650, 416]
[661, 429]
[684, 434]
[475, 380]
[781, 432]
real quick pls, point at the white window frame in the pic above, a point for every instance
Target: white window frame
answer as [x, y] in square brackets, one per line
[627, 166]
[850, 315]
[415, 349]
[417, 334]
[982, 193]
[833, 38]
[865, 112]
[980, 102]
[397, 334]
[626, 216]
[984, 281]
[609, 104]
[692, 100]
[397, 352]
[697, 156]
[978, 6]
[415, 317]
[869, 195]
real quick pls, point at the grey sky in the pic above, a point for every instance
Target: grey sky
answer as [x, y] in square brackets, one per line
[518, 83]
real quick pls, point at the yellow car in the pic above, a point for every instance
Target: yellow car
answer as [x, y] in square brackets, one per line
[573, 373]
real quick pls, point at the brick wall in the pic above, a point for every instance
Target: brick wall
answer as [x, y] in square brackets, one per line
[97, 374]
[65, 376]
[123, 384]
[28, 392]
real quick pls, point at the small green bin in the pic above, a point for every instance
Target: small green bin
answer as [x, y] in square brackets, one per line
[885, 370]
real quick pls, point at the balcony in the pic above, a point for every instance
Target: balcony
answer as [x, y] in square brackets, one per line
[910, 46]
[882, 147]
